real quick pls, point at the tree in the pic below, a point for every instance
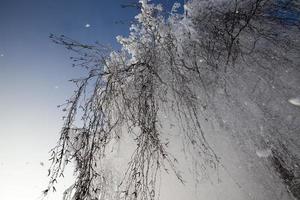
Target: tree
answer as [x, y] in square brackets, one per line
[221, 62]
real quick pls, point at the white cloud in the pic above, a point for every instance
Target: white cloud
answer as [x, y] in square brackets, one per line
[87, 25]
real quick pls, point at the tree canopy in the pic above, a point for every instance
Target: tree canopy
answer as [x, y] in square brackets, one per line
[231, 65]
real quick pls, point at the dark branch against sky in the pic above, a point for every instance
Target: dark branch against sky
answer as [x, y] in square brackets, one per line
[34, 76]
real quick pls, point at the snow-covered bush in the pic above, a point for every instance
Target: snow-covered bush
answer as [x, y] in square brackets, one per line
[221, 65]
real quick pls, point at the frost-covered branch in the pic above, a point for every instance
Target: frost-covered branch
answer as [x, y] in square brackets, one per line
[202, 67]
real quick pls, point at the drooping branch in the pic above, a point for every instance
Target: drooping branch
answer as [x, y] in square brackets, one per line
[218, 50]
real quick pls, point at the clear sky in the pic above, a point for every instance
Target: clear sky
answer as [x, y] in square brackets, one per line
[33, 80]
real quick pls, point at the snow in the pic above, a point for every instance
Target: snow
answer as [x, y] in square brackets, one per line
[263, 153]
[221, 116]
[295, 101]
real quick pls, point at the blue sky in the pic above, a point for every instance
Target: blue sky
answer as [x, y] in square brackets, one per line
[34, 76]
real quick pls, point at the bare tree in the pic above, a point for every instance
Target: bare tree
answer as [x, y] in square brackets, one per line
[184, 66]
